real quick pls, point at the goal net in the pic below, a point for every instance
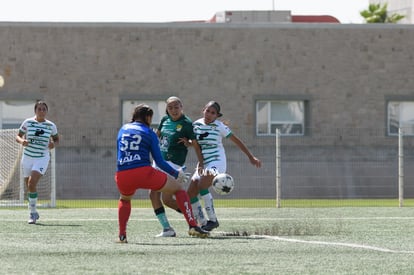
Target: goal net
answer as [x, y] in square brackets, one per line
[13, 191]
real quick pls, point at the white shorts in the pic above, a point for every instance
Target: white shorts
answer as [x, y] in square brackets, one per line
[213, 168]
[30, 164]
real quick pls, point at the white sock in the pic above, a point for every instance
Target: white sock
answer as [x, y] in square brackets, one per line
[209, 206]
[198, 212]
[32, 205]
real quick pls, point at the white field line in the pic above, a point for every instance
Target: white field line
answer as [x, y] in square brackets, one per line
[132, 218]
[351, 245]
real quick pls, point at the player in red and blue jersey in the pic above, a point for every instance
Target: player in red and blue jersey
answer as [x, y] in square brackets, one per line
[136, 144]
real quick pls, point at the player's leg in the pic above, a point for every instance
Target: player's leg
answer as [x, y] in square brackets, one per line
[195, 203]
[170, 201]
[124, 212]
[205, 183]
[159, 210]
[126, 186]
[172, 186]
[33, 170]
[32, 196]
[206, 180]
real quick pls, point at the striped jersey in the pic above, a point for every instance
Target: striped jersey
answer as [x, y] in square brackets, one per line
[209, 137]
[38, 135]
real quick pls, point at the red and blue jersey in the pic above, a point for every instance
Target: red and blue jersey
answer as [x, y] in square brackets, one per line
[136, 144]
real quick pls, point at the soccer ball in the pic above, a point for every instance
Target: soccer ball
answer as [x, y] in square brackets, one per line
[223, 184]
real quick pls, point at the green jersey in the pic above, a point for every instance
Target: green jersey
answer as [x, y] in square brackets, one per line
[170, 133]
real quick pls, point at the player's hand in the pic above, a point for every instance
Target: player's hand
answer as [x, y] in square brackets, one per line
[183, 178]
[185, 141]
[256, 162]
[51, 145]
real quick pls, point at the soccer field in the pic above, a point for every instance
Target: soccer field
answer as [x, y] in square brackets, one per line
[349, 240]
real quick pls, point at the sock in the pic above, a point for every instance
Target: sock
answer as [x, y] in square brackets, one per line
[32, 201]
[124, 211]
[208, 204]
[162, 218]
[183, 202]
[198, 211]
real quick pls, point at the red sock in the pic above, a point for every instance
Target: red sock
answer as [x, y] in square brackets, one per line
[124, 211]
[183, 202]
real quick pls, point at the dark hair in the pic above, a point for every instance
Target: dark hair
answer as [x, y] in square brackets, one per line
[39, 103]
[216, 106]
[141, 112]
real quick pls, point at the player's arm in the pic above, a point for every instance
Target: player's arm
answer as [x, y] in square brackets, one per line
[20, 138]
[156, 155]
[54, 141]
[253, 160]
[197, 150]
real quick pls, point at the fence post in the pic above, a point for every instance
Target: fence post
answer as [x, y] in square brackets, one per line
[400, 168]
[278, 178]
[53, 178]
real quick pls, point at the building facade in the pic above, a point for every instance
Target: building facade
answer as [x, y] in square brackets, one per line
[308, 80]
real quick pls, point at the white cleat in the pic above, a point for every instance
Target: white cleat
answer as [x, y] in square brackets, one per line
[168, 232]
[33, 218]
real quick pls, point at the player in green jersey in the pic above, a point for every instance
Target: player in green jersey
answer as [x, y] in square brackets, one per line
[175, 133]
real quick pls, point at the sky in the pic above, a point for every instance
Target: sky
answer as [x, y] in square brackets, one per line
[346, 11]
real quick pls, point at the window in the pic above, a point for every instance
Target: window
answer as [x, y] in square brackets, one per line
[286, 115]
[14, 112]
[158, 106]
[400, 115]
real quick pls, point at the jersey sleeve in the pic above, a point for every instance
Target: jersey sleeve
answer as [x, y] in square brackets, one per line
[54, 130]
[23, 127]
[225, 130]
[156, 155]
[161, 123]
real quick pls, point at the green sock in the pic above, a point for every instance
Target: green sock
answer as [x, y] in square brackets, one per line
[162, 218]
[204, 192]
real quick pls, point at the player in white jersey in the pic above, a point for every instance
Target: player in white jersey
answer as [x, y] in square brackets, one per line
[209, 134]
[38, 135]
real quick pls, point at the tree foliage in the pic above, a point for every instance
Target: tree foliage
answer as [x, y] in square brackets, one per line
[378, 14]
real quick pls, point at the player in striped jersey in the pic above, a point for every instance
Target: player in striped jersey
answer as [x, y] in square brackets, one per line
[38, 135]
[209, 134]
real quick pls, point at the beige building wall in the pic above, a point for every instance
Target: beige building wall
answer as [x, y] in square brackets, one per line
[346, 73]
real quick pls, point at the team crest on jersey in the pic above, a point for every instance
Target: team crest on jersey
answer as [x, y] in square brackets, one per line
[179, 127]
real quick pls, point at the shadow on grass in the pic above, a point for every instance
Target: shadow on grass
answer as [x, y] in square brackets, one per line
[163, 244]
[56, 224]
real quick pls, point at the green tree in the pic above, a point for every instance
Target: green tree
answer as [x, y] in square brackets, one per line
[378, 14]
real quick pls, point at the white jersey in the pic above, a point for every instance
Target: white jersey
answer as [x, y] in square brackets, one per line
[209, 137]
[38, 135]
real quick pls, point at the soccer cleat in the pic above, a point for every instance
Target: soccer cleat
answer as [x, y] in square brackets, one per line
[198, 232]
[210, 225]
[122, 239]
[167, 232]
[33, 218]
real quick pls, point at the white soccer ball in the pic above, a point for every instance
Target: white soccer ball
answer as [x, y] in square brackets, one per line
[223, 184]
